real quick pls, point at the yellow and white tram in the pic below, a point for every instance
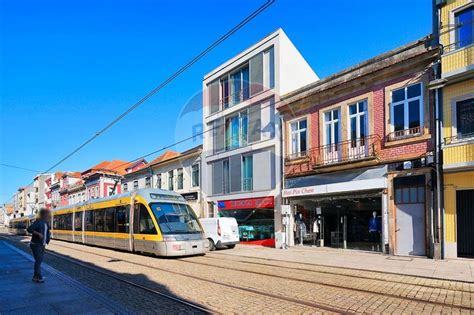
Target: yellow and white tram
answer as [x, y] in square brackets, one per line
[148, 220]
[19, 225]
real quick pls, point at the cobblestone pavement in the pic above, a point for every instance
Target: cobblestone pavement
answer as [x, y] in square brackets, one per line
[227, 283]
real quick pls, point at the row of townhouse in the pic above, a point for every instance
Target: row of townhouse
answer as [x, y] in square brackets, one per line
[344, 162]
[378, 157]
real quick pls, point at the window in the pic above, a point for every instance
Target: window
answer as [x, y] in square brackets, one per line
[410, 195]
[331, 127]
[99, 220]
[109, 220]
[135, 185]
[232, 132]
[465, 118]
[111, 190]
[97, 192]
[269, 69]
[239, 87]
[78, 221]
[145, 225]
[89, 220]
[158, 181]
[170, 180]
[407, 111]
[195, 175]
[247, 172]
[464, 27]
[226, 177]
[180, 178]
[122, 219]
[175, 218]
[125, 187]
[148, 182]
[299, 142]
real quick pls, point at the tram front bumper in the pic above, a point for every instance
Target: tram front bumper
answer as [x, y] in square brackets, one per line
[184, 247]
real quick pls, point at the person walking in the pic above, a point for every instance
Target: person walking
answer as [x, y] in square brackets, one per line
[39, 239]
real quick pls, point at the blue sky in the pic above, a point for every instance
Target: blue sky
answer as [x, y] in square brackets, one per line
[68, 67]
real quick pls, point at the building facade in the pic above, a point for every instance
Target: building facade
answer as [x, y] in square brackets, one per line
[242, 139]
[103, 179]
[358, 156]
[456, 20]
[40, 189]
[180, 172]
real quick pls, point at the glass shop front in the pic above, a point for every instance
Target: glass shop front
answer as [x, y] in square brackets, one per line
[255, 217]
[350, 221]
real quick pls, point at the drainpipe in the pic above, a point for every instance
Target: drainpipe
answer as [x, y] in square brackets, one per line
[438, 158]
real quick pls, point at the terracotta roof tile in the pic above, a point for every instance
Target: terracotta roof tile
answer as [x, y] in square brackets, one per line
[165, 156]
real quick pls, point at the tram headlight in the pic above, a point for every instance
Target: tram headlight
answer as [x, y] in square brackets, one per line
[169, 238]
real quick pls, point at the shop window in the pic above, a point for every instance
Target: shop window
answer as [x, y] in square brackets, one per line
[407, 111]
[299, 140]
[464, 27]
[254, 224]
[465, 118]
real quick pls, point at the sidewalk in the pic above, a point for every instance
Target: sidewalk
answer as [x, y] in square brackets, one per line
[454, 269]
[60, 294]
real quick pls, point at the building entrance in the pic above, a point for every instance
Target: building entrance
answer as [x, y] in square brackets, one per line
[350, 222]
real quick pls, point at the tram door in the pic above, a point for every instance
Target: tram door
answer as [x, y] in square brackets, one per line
[138, 240]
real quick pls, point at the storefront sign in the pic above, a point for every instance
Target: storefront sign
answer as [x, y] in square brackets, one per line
[190, 196]
[292, 192]
[251, 203]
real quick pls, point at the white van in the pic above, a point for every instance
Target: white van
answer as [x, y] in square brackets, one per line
[221, 232]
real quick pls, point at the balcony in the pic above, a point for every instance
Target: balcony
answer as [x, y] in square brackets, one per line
[339, 156]
[458, 152]
[405, 134]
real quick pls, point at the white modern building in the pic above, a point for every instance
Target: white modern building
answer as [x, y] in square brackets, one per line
[40, 190]
[242, 163]
[180, 172]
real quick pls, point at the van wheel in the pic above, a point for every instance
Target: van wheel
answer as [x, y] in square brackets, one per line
[230, 246]
[212, 246]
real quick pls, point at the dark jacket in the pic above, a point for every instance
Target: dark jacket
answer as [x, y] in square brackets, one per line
[39, 226]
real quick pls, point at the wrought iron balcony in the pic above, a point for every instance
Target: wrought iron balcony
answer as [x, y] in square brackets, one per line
[364, 148]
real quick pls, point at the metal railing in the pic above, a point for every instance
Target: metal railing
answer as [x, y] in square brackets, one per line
[346, 151]
[405, 133]
[458, 138]
[247, 184]
[297, 155]
[235, 98]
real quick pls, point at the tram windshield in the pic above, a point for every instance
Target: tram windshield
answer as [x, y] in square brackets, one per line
[175, 218]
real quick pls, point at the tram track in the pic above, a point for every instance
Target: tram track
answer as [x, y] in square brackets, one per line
[346, 268]
[186, 303]
[321, 283]
[375, 273]
[312, 305]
